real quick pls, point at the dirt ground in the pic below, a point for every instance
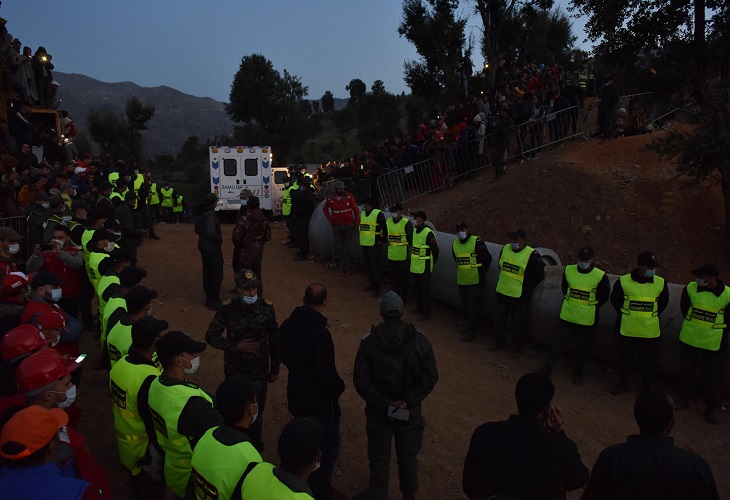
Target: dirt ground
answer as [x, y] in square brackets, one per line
[556, 199]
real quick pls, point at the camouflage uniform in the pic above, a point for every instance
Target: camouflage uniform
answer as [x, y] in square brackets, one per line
[249, 237]
[256, 322]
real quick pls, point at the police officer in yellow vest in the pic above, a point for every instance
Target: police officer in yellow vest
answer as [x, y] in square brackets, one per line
[299, 455]
[225, 453]
[129, 386]
[639, 298]
[372, 236]
[166, 203]
[286, 211]
[154, 199]
[520, 270]
[400, 239]
[472, 261]
[424, 252]
[704, 303]
[181, 411]
[585, 289]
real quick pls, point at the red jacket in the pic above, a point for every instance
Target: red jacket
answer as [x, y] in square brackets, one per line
[341, 212]
[71, 279]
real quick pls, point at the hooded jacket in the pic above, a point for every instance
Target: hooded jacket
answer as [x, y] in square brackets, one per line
[395, 362]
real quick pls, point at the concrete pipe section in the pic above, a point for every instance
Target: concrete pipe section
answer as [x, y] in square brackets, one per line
[547, 298]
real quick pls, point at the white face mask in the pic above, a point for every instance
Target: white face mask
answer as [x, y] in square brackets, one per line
[249, 300]
[55, 295]
[701, 282]
[194, 365]
[70, 397]
[110, 247]
[45, 205]
[14, 248]
[461, 235]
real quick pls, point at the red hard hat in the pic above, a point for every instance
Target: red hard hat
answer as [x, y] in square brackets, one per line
[42, 369]
[21, 341]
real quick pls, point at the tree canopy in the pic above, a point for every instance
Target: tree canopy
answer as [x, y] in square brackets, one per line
[269, 106]
[120, 134]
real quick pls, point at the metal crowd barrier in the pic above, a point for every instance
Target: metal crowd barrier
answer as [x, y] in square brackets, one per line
[548, 130]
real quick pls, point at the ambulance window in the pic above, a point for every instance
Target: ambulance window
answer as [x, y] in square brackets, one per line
[279, 176]
[251, 167]
[230, 167]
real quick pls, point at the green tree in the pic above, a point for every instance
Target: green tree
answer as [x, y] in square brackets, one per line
[120, 134]
[357, 89]
[377, 115]
[269, 107]
[438, 34]
[328, 102]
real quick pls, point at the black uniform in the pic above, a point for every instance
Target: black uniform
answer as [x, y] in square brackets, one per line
[210, 240]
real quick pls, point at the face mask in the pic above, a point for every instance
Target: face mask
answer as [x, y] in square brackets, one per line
[461, 235]
[701, 282]
[56, 294]
[14, 248]
[649, 273]
[244, 203]
[194, 365]
[45, 205]
[286, 184]
[74, 193]
[584, 265]
[515, 246]
[70, 397]
[110, 247]
[249, 300]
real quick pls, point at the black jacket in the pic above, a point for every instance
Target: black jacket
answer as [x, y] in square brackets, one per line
[208, 230]
[395, 362]
[307, 350]
[650, 467]
[521, 459]
[303, 204]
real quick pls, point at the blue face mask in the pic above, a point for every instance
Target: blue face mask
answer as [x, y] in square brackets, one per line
[461, 235]
[249, 300]
[649, 273]
[515, 246]
[584, 265]
[244, 203]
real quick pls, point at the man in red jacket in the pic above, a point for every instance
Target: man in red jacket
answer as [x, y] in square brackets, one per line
[343, 213]
[65, 261]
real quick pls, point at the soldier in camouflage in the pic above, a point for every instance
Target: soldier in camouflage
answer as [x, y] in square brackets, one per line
[251, 344]
[249, 237]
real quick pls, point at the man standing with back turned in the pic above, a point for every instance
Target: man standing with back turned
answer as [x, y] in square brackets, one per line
[395, 370]
[210, 240]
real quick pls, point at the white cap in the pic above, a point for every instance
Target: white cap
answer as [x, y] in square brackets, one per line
[54, 82]
[78, 170]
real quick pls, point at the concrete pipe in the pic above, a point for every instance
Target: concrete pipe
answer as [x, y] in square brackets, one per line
[547, 298]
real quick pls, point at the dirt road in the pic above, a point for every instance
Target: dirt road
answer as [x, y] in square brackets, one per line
[475, 386]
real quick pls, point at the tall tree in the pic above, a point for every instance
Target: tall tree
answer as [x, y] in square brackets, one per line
[357, 89]
[120, 134]
[438, 34]
[328, 102]
[377, 115]
[269, 107]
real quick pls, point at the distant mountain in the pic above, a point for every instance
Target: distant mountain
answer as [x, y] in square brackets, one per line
[177, 115]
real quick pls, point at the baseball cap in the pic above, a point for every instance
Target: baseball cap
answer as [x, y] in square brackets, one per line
[461, 225]
[29, 430]
[300, 440]
[246, 278]
[130, 276]
[147, 328]
[177, 342]
[518, 233]
[8, 233]
[79, 204]
[120, 255]
[339, 185]
[130, 195]
[65, 186]
[211, 198]
[706, 270]
[391, 304]
[586, 253]
[43, 278]
[647, 259]
[234, 391]
[103, 234]
[245, 193]
[105, 185]
[13, 282]
[396, 206]
[138, 297]
[79, 170]
[421, 214]
[122, 182]
[55, 200]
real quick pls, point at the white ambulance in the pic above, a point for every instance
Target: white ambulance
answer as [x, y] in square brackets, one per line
[233, 168]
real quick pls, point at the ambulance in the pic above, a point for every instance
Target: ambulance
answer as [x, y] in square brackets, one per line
[234, 168]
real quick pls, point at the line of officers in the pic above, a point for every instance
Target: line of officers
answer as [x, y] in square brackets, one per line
[638, 297]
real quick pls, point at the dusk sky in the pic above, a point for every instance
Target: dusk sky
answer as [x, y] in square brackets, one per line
[196, 46]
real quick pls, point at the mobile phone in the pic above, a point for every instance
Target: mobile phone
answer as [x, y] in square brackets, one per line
[80, 358]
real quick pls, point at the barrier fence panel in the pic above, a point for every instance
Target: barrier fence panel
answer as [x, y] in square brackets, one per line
[548, 130]
[359, 188]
